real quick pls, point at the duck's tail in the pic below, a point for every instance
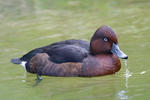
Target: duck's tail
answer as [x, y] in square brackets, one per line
[19, 62]
[16, 61]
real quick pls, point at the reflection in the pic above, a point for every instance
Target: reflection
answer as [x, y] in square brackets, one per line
[37, 82]
[25, 76]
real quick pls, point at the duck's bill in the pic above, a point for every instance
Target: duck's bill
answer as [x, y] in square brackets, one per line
[116, 51]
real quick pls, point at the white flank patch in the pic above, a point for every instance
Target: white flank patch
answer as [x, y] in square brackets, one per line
[23, 63]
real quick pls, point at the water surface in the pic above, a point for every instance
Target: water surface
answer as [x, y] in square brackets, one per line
[27, 24]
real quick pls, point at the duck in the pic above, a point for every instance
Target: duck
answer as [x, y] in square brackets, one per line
[73, 58]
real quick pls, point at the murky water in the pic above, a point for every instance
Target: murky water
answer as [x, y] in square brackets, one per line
[27, 24]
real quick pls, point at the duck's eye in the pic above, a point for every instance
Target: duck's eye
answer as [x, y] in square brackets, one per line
[105, 39]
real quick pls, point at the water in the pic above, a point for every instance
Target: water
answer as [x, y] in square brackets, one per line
[27, 24]
[122, 94]
[127, 74]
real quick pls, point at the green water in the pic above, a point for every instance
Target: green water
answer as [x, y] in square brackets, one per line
[27, 24]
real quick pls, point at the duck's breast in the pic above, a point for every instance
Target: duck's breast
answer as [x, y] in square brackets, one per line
[100, 65]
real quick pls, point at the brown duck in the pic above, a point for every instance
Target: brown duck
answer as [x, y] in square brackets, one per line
[76, 57]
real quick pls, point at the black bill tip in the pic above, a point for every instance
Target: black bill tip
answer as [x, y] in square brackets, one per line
[125, 57]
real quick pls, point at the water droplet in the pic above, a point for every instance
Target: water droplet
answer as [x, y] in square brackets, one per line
[23, 81]
[122, 95]
[143, 72]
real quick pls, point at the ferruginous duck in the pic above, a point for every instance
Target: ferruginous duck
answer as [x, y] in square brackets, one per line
[76, 57]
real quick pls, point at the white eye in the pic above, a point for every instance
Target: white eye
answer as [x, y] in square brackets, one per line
[105, 39]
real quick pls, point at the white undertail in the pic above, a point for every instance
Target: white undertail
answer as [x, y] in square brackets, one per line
[23, 63]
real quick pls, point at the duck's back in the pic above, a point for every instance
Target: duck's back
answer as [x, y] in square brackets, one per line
[63, 51]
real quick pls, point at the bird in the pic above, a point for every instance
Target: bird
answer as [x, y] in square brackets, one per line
[73, 58]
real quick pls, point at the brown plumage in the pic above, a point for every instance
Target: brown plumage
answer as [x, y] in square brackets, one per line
[77, 57]
[91, 66]
[41, 65]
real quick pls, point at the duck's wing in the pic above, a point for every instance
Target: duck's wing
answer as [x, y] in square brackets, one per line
[30, 54]
[63, 51]
[66, 53]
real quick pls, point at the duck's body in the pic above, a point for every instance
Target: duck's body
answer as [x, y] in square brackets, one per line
[90, 66]
[77, 57]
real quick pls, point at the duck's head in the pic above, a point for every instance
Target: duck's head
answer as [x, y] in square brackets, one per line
[104, 41]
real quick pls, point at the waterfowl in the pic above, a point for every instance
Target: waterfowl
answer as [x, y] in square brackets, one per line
[76, 57]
